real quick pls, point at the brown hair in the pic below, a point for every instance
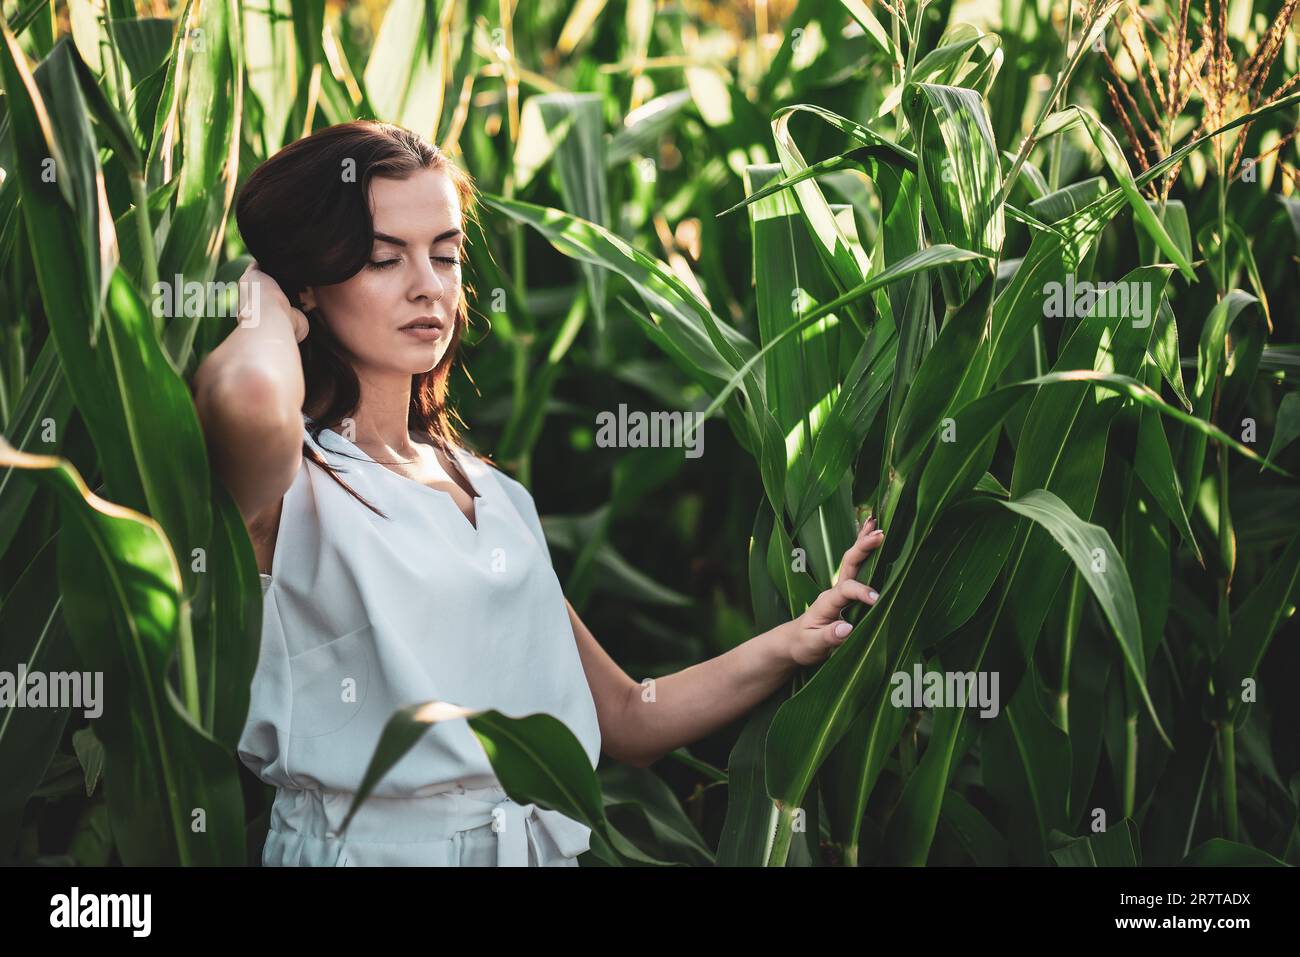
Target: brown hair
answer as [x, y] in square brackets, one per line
[305, 216]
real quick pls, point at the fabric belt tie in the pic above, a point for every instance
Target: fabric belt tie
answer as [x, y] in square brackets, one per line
[314, 815]
[515, 826]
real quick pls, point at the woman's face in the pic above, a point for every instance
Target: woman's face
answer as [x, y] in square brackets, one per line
[414, 274]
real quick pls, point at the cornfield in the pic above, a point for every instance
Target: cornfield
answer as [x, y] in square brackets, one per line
[1018, 279]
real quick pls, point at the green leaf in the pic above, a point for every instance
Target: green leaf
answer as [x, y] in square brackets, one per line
[536, 758]
[1099, 563]
[1144, 395]
[1217, 852]
[45, 398]
[1068, 200]
[644, 792]
[112, 125]
[571, 128]
[932, 390]
[405, 76]
[1174, 217]
[960, 169]
[210, 117]
[706, 347]
[271, 51]
[1287, 427]
[863, 158]
[1062, 444]
[156, 406]
[980, 839]
[120, 586]
[1154, 464]
[1025, 763]
[1113, 154]
[1164, 352]
[32, 633]
[844, 262]
[919, 262]
[70, 143]
[687, 322]
[751, 817]
[873, 28]
[1019, 307]
[955, 465]
[974, 561]
[90, 752]
[863, 392]
[1119, 846]
[789, 280]
[71, 296]
[227, 622]
[809, 724]
[856, 762]
[644, 125]
[1254, 625]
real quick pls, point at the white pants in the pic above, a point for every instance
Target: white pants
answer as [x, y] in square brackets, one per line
[474, 827]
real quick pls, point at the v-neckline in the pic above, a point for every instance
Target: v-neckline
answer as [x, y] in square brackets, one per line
[472, 526]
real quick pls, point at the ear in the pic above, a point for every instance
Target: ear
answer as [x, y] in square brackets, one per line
[308, 299]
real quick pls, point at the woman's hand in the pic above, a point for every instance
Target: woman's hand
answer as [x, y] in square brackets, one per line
[710, 695]
[259, 292]
[820, 629]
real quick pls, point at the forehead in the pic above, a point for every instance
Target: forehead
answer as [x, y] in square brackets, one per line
[416, 208]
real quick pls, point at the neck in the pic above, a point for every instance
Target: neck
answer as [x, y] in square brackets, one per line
[380, 420]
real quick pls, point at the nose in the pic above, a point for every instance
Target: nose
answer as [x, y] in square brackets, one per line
[428, 284]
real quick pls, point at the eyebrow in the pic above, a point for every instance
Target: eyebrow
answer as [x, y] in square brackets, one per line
[385, 238]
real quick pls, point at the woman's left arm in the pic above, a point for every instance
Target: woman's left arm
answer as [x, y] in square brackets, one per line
[641, 722]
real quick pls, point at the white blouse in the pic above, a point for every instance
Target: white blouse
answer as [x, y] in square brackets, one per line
[364, 615]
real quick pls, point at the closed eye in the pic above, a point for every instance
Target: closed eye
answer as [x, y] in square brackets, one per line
[389, 263]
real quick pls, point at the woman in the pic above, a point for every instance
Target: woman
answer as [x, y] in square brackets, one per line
[398, 567]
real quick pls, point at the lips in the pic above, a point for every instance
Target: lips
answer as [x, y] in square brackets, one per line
[424, 322]
[425, 329]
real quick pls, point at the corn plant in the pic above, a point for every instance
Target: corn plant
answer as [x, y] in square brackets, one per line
[875, 246]
[1018, 495]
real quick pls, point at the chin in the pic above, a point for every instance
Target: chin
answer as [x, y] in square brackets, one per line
[420, 364]
[411, 361]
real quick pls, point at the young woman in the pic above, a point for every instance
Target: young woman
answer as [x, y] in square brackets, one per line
[397, 566]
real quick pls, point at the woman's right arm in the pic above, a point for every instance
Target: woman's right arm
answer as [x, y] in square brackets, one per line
[249, 392]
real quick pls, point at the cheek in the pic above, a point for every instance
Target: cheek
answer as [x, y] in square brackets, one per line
[355, 305]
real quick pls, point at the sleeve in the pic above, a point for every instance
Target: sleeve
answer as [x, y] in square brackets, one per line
[523, 502]
[263, 740]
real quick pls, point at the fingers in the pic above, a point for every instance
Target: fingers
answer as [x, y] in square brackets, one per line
[869, 539]
[300, 324]
[833, 601]
[258, 290]
[248, 293]
[840, 596]
[853, 590]
[822, 626]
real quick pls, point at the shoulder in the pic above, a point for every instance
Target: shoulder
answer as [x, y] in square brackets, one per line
[516, 490]
[475, 463]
